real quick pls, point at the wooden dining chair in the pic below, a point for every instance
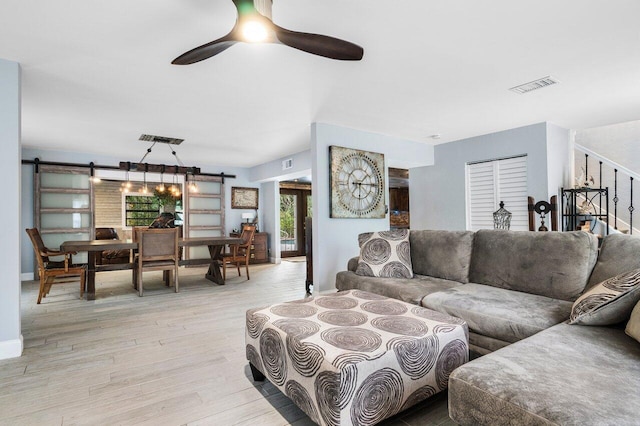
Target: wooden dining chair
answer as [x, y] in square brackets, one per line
[134, 254]
[157, 251]
[54, 272]
[239, 253]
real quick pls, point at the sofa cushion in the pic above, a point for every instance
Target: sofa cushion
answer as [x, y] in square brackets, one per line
[609, 302]
[352, 264]
[619, 253]
[501, 314]
[633, 326]
[408, 290]
[551, 264]
[442, 254]
[483, 345]
[566, 375]
[385, 254]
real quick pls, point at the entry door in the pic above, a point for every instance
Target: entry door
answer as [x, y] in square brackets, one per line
[295, 207]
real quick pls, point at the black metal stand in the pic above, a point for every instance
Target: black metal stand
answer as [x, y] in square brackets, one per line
[572, 215]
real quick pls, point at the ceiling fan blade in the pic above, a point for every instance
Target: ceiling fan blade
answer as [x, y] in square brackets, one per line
[321, 45]
[206, 50]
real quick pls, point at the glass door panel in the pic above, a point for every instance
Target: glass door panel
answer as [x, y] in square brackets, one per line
[65, 220]
[201, 202]
[288, 222]
[60, 179]
[60, 200]
[295, 206]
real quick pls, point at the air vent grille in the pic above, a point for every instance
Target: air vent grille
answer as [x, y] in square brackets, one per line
[287, 164]
[534, 85]
[161, 139]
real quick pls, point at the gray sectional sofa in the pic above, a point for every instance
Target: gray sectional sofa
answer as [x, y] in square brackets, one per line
[515, 290]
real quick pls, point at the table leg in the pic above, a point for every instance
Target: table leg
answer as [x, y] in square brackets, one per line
[214, 274]
[91, 276]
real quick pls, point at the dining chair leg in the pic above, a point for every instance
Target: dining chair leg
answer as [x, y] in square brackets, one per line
[238, 266]
[224, 270]
[40, 293]
[140, 290]
[175, 278]
[246, 265]
[47, 285]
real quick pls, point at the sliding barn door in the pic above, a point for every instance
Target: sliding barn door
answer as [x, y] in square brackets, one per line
[204, 212]
[63, 206]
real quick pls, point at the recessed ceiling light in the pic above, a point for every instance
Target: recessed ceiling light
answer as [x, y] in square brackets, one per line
[435, 136]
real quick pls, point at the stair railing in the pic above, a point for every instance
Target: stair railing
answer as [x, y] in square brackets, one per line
[620, 175]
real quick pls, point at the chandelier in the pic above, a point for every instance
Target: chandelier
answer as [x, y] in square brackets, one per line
[175, 170]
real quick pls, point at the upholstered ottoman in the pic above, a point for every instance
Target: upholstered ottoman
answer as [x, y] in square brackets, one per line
[354, 357]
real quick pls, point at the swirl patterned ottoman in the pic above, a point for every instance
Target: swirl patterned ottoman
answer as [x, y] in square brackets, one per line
[354, 358]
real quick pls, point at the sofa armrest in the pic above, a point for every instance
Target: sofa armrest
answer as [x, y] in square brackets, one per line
[352, 265]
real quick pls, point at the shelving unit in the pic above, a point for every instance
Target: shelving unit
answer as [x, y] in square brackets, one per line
[583, 204]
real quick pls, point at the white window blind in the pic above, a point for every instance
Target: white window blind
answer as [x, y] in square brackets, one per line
[490, 182]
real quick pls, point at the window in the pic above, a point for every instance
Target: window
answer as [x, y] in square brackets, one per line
[140, 209]
[490, 182]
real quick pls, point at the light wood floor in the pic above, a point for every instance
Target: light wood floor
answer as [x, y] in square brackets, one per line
[163, 359]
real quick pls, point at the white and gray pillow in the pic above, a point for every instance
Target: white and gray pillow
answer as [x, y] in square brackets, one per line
[633, 326]
[609, 302]
[385, 254]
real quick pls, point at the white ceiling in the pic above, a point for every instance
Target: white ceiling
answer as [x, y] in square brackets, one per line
[97, 74]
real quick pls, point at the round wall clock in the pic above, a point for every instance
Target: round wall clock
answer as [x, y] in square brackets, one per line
[357, 183]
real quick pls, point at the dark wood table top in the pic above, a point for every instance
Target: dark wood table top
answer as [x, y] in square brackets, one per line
[208, 241]
[100, 245]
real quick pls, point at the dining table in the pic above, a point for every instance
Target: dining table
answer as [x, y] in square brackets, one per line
[95, 247]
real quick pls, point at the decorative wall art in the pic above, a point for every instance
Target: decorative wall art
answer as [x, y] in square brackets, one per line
[357, 183]
[244, 198]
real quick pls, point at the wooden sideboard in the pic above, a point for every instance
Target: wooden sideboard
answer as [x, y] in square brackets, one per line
[259, 252]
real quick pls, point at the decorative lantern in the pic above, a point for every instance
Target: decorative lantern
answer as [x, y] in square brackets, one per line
[502, 218]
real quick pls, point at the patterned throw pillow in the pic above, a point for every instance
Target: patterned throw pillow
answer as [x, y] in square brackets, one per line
[633, 326]
[609, 302]
[385, 254]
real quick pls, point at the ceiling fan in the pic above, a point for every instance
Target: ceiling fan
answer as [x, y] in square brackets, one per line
[254, 25]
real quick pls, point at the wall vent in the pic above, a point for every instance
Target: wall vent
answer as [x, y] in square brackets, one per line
[161, 139]
[535, 85]
[287, 164]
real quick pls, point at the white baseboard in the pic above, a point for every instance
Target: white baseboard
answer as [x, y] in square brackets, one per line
[28, 276]
[11, 348]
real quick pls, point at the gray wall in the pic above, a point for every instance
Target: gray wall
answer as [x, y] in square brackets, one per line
[273, 169]
[10, 332]
[437, 193]
[559, 159]
[335, 241]
[233, 217]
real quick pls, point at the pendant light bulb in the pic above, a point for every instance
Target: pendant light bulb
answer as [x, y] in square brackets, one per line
[254, 31]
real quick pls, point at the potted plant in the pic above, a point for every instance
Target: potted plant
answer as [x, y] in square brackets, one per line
[167, 199]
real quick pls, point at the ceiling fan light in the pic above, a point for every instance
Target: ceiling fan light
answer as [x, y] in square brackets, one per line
[254, 31]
